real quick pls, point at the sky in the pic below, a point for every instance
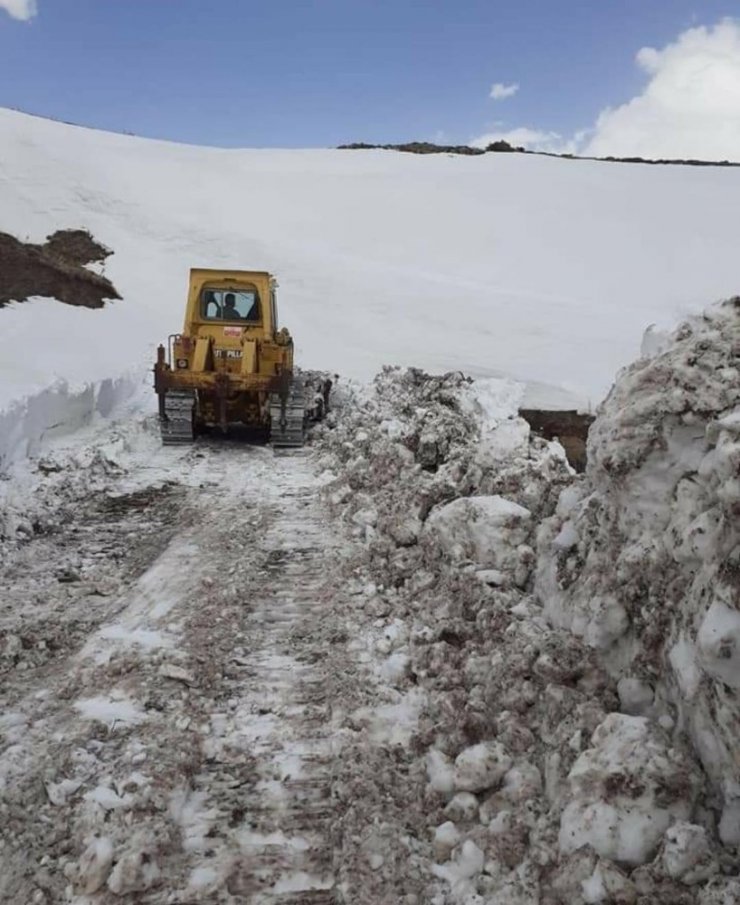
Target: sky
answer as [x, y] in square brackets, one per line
[656, 77]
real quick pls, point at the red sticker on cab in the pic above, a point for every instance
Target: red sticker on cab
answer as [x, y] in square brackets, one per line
[232, 331]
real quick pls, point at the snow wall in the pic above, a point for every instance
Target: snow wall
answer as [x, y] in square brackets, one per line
[59, 409]
[642, 558]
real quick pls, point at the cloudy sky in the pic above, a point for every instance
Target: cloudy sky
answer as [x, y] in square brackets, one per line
[657, 78]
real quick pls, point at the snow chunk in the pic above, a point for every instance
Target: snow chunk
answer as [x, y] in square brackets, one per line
[607, 884]
[506, 441]
[135, 871]
[95, 864]
[729, 824]
[626, 791]
[682, 657]
[468, 864]
[178, 673]
[687, 855]
[203, 879]
[718, 641]
[462, 806]
[496, 400]
[440, 771]
[446, 837]
[59, 792]
[481, 766]
[485, 529]
[635, 696]
[107, 798]
[720, 892]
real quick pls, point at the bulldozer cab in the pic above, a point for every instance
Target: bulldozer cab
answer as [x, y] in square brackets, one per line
[223, 302]
[227, 305]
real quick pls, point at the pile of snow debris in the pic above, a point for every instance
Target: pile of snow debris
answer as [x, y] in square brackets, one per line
[642, 561]
[532, 747]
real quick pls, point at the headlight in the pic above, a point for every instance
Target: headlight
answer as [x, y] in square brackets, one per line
[182, 362]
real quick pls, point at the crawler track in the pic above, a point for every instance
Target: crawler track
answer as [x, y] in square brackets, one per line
[288, 417]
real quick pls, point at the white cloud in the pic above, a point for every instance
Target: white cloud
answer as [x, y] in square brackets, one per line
[20, 9]
[690, 106]
[531, 139]
[499, 91]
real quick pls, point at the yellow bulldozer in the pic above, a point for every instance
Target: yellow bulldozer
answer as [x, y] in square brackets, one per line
[231, 364]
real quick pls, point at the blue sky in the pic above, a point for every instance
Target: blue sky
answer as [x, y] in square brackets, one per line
[301, 74]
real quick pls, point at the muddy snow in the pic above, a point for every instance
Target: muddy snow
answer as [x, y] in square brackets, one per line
[170, 675]
[420, 661]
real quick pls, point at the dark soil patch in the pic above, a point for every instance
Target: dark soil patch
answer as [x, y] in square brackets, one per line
[138, 501]
[570, 428]
[427, 147]
[417, 147]
[54, 270]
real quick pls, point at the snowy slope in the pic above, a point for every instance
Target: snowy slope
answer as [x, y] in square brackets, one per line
[545, 270]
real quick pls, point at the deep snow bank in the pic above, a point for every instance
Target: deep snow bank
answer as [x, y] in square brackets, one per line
[537, 770]
[27, 423]
[544, 270]
[641, 560]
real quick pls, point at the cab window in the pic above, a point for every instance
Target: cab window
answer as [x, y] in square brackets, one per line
[231, 305]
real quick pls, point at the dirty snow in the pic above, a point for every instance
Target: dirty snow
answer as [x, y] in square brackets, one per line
[421, 661]
[235, 674]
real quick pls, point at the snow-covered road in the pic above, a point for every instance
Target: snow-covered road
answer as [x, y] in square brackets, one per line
[390, 669]
[186, 747]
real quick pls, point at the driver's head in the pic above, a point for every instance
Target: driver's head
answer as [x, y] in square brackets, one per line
[229, 300]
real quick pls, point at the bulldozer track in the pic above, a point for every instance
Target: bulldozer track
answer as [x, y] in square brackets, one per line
[285, 853]
[288, 417]
[178, 424]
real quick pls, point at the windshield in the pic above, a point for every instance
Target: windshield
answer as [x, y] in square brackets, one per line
[231, 305]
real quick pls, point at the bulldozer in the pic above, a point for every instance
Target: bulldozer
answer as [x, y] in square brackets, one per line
[231, 364]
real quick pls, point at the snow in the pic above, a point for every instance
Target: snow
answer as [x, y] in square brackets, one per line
[446, 837]
[469, 862]
[657, 537]
[718, 643]
[371, 248]
[95, 864]
[112, 709]
[687, 855]
[440, 771]
[620, 803]
[635, 696]
[485, 529]
[480, 767]
[513, 683]
[463, 806]
[597, 764]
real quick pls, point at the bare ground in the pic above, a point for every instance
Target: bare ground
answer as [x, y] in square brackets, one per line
[56, 269]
